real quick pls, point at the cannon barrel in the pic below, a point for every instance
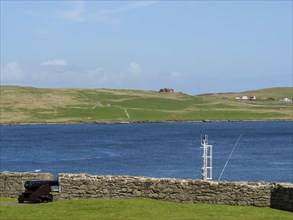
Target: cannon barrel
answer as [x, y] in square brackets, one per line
[35, 184]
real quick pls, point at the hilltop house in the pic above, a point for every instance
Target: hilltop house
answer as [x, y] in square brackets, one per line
[167, 90]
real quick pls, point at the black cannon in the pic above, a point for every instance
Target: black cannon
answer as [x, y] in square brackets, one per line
[38, 191]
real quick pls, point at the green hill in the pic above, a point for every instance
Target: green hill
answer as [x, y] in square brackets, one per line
[262, 94]
[37, 105]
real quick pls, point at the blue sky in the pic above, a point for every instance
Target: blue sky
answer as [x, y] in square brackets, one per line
[192, 46]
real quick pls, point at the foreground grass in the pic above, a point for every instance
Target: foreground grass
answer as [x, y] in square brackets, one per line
[136, 209]
[35, 105]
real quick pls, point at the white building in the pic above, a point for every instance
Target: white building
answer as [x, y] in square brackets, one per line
[251, 98]
[286, 100]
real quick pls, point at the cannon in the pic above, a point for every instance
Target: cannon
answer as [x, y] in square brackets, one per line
[37, 191]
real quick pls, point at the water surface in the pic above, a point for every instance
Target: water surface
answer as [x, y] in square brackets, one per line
[264, 152]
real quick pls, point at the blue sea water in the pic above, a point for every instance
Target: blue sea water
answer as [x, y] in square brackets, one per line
[264, 152]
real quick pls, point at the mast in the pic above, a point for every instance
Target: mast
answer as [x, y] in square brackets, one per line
[207, 154]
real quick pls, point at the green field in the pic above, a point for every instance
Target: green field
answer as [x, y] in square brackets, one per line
[135, 209]
[36, 105]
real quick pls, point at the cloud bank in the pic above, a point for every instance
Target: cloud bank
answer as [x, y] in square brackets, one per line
[78, 12]
[55, 62]
[57, 74]
[11, 73]
[134, 68]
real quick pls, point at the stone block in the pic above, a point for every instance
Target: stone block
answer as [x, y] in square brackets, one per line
[136, 193]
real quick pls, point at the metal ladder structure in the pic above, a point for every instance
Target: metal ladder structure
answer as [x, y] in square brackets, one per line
[207, 159]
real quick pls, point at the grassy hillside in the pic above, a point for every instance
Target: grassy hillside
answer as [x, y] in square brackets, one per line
[35, 105]
[136, 209]
[268, 94]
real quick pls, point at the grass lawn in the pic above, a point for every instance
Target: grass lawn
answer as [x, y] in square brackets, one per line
[135, 209]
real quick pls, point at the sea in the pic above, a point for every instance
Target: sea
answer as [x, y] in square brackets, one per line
[242, 151]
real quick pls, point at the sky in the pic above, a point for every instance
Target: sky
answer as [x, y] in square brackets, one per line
[193, 47]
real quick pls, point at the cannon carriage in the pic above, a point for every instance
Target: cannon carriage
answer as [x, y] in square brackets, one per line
[37, 191]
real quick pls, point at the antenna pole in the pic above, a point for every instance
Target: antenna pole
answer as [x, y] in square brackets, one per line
[229, 157]
[207, 155]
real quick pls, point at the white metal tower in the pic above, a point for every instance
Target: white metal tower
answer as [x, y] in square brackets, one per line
[207, 154]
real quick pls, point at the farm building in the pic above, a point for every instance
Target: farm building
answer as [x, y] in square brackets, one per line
[167, 90]
[286, 100]
[250, 98]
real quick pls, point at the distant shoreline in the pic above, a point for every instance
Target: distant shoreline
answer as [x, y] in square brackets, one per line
[139, 122]
[23, 105]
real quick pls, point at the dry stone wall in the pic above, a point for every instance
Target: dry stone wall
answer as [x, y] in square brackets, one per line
[282, 197]
[12, 183]
[74, 186]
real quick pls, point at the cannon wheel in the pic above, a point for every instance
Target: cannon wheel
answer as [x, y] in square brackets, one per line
[21, 199]
[47, 198]
[36, 200]
[50, 198]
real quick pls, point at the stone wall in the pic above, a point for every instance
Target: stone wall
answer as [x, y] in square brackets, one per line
[74, 186]
[12, 184]
[280, 196]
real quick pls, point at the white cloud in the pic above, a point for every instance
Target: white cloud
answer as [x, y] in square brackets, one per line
[55, 62]
[99, 76]
[56, 73]
[76, 13]
[107, 16]
[128, 7]
[134, 69]
[11, 72]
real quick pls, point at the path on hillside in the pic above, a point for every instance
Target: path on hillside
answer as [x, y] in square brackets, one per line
[126, 113]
